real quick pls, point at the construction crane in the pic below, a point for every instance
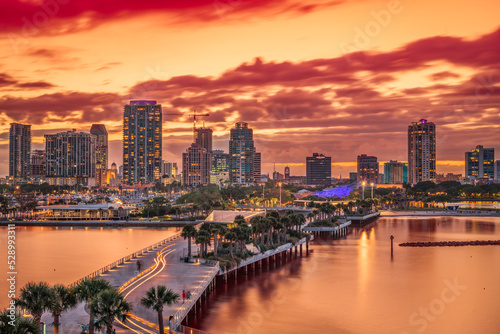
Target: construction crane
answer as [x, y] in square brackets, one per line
[194, 115]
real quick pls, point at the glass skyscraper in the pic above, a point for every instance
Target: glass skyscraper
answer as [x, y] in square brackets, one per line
[142, 141]
[19, 151]
[101, 152]
[480, 163]
[319, 170]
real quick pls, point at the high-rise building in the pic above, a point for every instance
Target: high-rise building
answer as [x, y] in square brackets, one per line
[367, 169]
[38, 163]
[220, 161]
[497, 170]
[196, 166]
[353, 176]
[421, 152]
[480, 163]
[142, 141]
[319, 170]
[287, 173]
[203, 137]
[257, 166]
[167, 168]
[19, 151]
[395, 172]
[241, 154]
[101, 153]
[70, 158]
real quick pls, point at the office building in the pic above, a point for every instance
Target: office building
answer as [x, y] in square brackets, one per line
[167, 168]
[395, 172]
[220, 161]
[257, 166]
[287, 173]
[19, 151]
[367, 169]
[480, 163]
[38, 164]
[241, 154]
[353, 176]
[70, 158]
[196, 166]
[319, 170]
[101, 153]
[421, 152]
[142, 142]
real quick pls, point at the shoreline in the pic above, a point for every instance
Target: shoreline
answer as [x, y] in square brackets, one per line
[100, 223]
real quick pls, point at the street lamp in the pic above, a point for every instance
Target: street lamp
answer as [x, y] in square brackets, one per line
[363, 194]
[372, 184]
[279, 183]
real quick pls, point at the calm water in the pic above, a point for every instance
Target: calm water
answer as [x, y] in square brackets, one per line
[353, 286]
[65, 254]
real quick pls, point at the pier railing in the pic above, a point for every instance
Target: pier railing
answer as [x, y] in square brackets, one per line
[127, 258]
[326, 228]
[267, 254]
[188, 304]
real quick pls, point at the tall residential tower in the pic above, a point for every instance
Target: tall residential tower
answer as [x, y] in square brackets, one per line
[241, 154]
[19, 151]
[142, 141]
[101, 152]
[480, 163]
[421, 152]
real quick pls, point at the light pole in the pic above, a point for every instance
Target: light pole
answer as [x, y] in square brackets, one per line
[372, 184]
[363, 194]
[279, 183]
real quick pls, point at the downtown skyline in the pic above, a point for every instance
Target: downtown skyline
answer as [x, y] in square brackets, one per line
[301, 86]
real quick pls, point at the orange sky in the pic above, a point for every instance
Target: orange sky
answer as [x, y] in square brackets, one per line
[336, 77]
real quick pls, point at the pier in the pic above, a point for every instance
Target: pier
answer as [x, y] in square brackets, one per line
[335, 231]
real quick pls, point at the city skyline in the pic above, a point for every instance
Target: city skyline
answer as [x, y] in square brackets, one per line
[313, 75]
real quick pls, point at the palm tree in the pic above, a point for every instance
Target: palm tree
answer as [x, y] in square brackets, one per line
[20, 324]
[189, 232]
[156, 298]
[231, 236]
[285, 221]
[35, 298]
[203, 238]
[87, 290]
[108, 305]
[62, 301]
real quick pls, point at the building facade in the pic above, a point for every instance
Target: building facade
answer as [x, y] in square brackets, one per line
[19, 151]
[257, 166]
[480, 163]
[101, 153]
[70, 158]
[142, 141]
[367, 169]
[241, 154]
[196, 166]
[203, 137]
[319, 170]
[395, 172]
[38, 164]
[497, 170]
[421, 152]
[287, 173]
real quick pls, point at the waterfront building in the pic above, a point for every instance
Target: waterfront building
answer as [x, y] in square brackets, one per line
[480, 163]
[101, 152]
[142, 141]
[421, 152]
[70, 158]
[395, 172]
[241, 154]
[257, 166]
[367, 169]
[19, 152]
[319, 170]
[196, 166]
[38, 164]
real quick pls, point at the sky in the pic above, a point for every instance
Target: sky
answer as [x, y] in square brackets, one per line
[338, 77]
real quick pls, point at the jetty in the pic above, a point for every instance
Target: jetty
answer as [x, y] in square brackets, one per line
[450, 243]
